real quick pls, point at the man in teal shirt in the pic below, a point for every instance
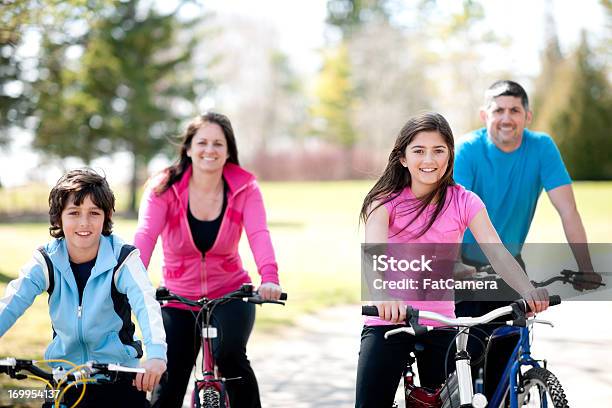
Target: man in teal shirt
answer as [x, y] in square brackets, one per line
[508, 165]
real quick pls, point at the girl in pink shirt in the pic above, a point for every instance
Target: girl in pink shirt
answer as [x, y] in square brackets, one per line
[199, 207]
[416, 201]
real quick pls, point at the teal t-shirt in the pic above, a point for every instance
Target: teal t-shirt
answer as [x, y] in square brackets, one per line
[509, 184]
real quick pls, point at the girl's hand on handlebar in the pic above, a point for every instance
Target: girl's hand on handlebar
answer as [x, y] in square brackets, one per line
[269, 291]
[537, 299]
[392, 310]
[147, 381]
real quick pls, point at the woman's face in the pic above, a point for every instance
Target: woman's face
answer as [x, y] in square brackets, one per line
[426, 158]
[208, 149]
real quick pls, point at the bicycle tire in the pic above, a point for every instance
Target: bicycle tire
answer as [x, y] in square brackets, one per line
[545, 384]
[209, 397]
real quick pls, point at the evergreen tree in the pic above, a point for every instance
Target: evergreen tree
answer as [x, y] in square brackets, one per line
[19, 74]
[124, 92]
[551, 60]
[578, 113]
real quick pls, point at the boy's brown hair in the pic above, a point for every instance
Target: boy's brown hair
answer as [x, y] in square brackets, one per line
[79, 184]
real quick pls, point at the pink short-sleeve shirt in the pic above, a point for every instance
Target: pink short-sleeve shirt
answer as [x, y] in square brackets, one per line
[461, 206]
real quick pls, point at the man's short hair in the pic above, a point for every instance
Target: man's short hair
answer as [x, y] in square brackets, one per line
[80, 183]
[506, 87]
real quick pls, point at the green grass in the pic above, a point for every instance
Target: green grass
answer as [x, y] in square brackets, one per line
[315, 232]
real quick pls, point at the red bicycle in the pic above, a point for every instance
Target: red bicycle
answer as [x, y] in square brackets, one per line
[209, 390]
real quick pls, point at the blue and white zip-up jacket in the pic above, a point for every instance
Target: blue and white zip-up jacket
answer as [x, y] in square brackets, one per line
[100, 329]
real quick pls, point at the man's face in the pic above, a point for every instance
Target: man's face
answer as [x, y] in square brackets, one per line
[505, 119]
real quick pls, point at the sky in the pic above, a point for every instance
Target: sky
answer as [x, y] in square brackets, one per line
[301, 34]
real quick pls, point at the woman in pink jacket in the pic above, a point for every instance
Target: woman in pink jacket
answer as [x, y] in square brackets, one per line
[199, 206]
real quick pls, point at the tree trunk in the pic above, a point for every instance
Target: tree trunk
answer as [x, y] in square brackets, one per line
[134, 184]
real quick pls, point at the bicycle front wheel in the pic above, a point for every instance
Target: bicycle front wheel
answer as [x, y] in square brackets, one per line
[209, 397]
[540, 388]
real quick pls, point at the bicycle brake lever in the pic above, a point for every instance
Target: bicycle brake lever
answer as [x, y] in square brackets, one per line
[392, 332]
[533, 321]
[259, 301]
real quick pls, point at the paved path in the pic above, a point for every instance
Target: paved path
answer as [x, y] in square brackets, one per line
[313, 364]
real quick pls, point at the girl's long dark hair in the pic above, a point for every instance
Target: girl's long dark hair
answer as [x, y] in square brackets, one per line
[396, 177]
[176, 171]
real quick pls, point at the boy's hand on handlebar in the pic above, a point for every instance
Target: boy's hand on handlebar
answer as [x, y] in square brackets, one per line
[270, 291]
[392, 310]
[147, 381]
[537, 299]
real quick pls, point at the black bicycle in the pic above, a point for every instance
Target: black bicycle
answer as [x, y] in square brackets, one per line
[59, 380]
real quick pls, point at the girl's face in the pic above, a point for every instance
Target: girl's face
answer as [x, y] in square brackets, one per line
[208, 149]
[426, 158]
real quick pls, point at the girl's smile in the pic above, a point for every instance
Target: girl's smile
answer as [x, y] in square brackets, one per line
[426, 158]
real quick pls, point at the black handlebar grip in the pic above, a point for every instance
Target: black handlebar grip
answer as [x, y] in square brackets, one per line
[161, 293]
[553, 300]
[369, 310]
[283, 296]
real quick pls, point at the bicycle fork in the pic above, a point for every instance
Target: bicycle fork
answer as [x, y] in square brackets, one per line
[467, 398]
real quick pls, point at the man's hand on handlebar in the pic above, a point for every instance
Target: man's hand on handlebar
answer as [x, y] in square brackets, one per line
[537, 299]
[587, 280]
[269, 291]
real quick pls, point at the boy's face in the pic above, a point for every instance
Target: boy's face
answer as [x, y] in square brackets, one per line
[82, 226]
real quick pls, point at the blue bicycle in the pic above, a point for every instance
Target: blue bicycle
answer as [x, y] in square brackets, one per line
[525, 382]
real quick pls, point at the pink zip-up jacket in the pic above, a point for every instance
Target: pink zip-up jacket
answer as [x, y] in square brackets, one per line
[185, 271]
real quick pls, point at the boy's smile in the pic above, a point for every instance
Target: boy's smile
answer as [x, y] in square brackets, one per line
[82, 226]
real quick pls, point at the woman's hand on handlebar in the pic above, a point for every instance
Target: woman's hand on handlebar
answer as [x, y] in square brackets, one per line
[147, 381]
[393, 311]
[270, 291]
[537, 299]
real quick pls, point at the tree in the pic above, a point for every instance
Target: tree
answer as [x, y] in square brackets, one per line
[551, 60]
[349, 16]
[335, 92]
[409, 56]
[123, 93]
[577, 113]
[18, 73]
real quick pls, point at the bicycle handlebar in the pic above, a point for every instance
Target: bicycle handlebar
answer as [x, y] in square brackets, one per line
[12, 367]
[566, 276]
[245, 293]
[518, 308]
[111, 372]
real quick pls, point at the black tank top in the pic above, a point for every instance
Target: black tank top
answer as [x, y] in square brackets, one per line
[205, 233]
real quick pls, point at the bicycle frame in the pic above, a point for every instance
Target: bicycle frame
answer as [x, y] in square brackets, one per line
[210, 371]
[465, 388]
[521, 356]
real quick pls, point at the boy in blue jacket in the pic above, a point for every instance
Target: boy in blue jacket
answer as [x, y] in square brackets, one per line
[90, 297]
